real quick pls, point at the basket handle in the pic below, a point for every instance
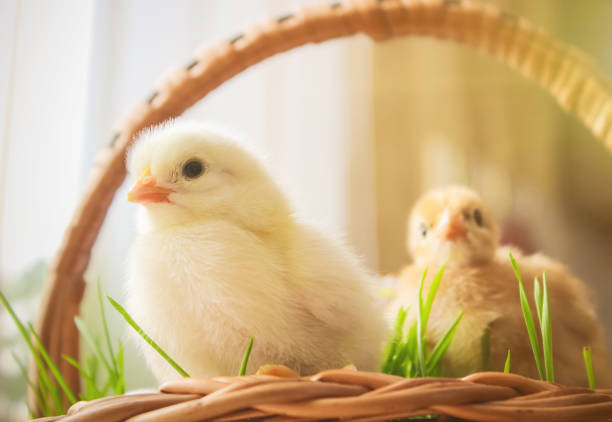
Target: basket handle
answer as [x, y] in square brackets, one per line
[563, 71]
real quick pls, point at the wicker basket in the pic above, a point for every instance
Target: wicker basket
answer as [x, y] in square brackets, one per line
[564, 72]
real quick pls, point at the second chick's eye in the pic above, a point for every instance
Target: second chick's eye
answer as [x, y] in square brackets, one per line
[192, 169]
[478, 217]
[423, 229]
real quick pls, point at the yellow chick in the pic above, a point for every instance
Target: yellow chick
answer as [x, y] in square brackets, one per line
[221, 257]
[452, 226]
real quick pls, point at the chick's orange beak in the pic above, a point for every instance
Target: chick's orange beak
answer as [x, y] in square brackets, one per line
[455, 228]
[146, 190]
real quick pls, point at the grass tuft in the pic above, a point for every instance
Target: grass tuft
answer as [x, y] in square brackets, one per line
[529, 323]
[49, 395]
[52, 367]
[542, 302]
[392, 347]
[42, 404]
[406, 352]
[47, 387]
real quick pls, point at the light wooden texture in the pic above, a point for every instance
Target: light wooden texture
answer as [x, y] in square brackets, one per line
[358, 396]
[570, 78]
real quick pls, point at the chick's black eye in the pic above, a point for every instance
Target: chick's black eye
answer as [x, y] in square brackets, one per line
[192, 169]
[423, 229]
[478, 217]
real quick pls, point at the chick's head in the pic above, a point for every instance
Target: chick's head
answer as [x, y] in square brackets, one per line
[187, 172]
[451, 226]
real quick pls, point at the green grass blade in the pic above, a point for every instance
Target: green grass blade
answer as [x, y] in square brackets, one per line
[30, 411]
[146, 338]
[411, 342]
[120, 386]
[587, 355]
[421, 344]
[90, 387]
[17, 321]
[405, 354]
[507, 364]
[529, 323]
[412, 370]
[47, 387]
[42, 404]
[56, 373]
[485, 347]
[395, 341]
[92, 343]
[245, 358]
[442, 345]
[537, 295]
[408, 356]
[546, 327]
[431, 294]
[91, 391]
[106, 332]
[400, 361]
[436, 371]
[107, 385]
[388, 357]
[93, 365]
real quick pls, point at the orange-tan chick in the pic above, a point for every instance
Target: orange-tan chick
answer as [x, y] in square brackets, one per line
[452, 226]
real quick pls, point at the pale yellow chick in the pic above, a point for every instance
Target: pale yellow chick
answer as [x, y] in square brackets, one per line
[220, 257]
[452, 226]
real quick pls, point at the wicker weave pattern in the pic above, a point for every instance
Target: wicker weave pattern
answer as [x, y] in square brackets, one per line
[561, 70]
[360, 396]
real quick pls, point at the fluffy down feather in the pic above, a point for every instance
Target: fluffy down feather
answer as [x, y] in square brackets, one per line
[220, 257]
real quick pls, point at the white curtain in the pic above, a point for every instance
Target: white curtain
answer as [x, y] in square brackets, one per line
[44, 85]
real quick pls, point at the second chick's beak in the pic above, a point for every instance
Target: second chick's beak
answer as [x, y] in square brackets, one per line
[455, 226]
[146, 190]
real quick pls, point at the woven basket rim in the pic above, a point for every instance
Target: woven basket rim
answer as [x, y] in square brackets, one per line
[563, 71]
[351, 394]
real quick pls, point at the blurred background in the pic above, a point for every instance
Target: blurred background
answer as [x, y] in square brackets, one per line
[354, 131]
